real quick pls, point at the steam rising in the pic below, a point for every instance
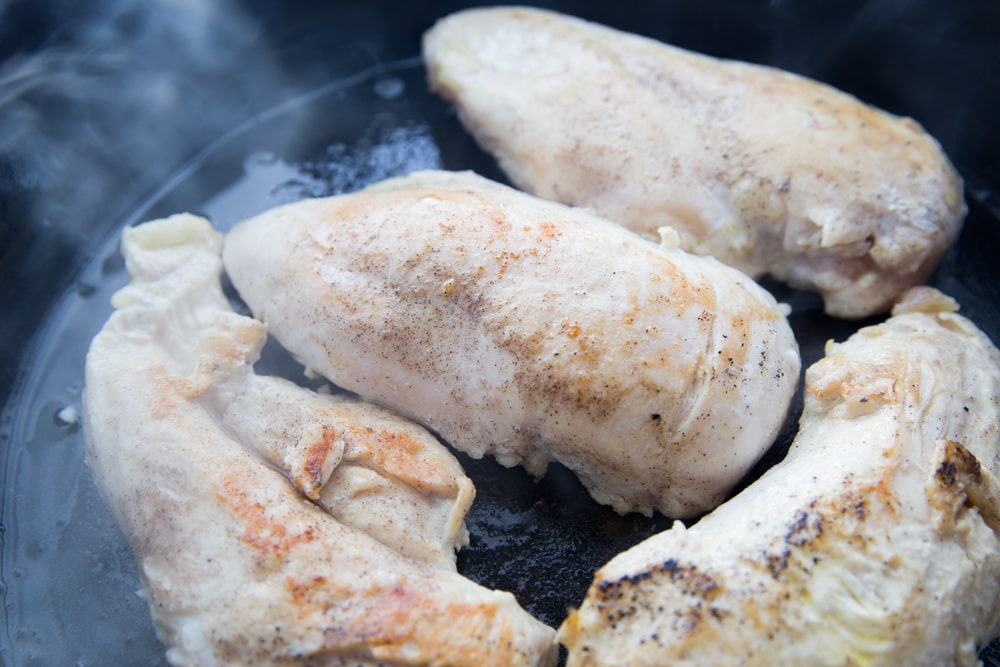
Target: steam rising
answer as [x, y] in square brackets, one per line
[152, 82]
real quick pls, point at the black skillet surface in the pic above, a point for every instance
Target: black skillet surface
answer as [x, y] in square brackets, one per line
[116, 112]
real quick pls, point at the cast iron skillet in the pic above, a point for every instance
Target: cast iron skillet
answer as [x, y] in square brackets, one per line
[112, 113]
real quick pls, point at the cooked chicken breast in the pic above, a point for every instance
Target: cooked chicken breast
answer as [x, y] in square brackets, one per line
[767, 171]
[272, 525]
[527, 330]
[873, 543]
[370, 469]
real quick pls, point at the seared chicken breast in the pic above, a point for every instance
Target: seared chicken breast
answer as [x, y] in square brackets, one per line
[272, 525]
[873, 543]
[528, 330]
[767, 171]
[370, 469]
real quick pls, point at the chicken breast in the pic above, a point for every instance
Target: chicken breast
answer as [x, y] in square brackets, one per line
[873, 543]
[767, 171]
[524, 329]
[272, 525]
[370, 469]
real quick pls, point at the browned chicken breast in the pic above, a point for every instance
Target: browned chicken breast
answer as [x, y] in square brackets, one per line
[767, 171]
[873, 543]
[272, 525]
[528, 330]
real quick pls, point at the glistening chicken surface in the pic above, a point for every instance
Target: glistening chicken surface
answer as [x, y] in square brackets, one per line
[529, 330]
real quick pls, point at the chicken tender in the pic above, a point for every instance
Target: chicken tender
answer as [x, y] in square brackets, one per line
[528, 330]
[873, 543]
[219, 477]
[768, 171]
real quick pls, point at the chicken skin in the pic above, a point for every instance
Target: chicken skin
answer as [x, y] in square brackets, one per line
[273, 525]
[873, 543]
[765, 170]
[527, 330]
